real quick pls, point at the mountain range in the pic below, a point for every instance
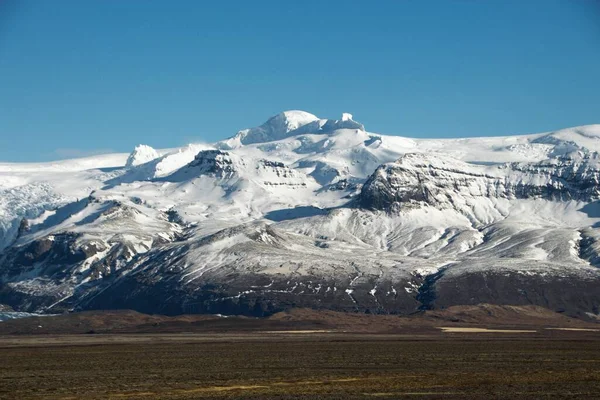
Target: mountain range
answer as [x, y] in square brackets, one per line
[308, 212]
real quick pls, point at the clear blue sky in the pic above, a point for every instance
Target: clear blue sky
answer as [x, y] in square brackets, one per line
[78, 77]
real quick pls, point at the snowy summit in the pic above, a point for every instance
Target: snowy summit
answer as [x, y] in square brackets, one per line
[141, 155]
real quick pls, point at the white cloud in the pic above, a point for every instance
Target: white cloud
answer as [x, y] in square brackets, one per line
[66, 152]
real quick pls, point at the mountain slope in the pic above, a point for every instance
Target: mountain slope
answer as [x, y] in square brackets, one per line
[308, 212]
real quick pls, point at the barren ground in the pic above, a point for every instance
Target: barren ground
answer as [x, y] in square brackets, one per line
[309, 366]
[488, 352]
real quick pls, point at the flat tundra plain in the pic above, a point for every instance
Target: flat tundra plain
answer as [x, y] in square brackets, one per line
[302, 365]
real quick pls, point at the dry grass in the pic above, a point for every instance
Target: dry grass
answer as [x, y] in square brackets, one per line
[320, 366]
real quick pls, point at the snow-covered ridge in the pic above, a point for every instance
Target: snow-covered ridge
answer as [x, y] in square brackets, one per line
[297, 211]
[225, 165]
[445, 182]
[287, 124]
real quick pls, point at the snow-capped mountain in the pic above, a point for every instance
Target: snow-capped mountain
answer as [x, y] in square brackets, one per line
[304, 211]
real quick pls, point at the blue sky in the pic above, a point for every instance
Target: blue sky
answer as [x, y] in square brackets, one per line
[78, 77]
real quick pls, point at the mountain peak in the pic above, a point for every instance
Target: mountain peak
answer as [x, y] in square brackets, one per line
[346, 117]
[289, 123]
[141, 155]
[290, 120]
[275, 128]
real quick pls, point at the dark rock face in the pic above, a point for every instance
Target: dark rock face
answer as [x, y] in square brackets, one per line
[215, 162]
[427, 292]
[570, 295]
[23, 227]
[25, 301]
[247, 295]
[54, 250]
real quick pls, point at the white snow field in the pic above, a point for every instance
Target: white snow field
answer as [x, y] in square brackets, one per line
[304, 211]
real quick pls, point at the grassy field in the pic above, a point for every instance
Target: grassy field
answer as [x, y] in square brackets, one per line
[301, 366]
